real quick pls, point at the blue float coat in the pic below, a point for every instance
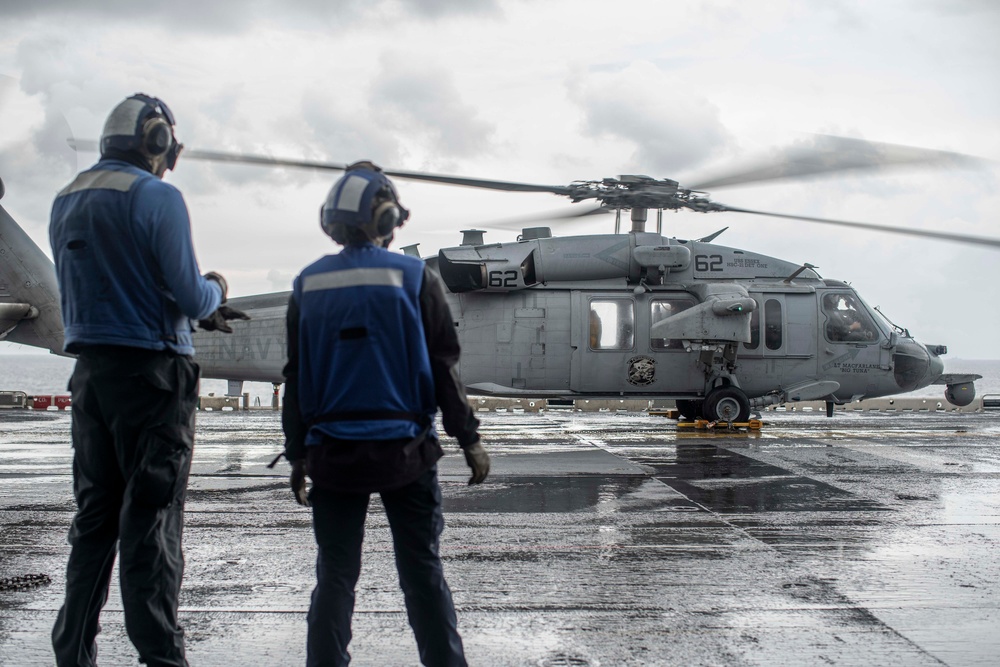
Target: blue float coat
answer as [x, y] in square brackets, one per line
[121, 239]
[361, 346]
[314, 386]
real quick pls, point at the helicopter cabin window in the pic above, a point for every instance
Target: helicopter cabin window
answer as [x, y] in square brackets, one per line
[754, 329]
[612, 324]
[661, 309]
[846, 319]
[773, 332]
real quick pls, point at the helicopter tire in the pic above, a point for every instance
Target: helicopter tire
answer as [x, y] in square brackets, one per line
[727, 404]
[689, 410]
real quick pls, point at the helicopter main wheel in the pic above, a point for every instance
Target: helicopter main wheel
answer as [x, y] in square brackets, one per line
[689, 410]
[727, 404]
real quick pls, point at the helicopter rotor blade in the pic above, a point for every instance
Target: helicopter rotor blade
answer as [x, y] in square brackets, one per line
[940, 236]
[830, 154]
[244, 158]
[220, 156]
[555, 216]
[506, 186]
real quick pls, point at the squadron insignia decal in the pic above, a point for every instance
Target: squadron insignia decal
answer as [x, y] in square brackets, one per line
[641, 370]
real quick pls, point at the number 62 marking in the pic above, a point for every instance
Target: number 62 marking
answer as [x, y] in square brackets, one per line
[708, 263]
[502, 279]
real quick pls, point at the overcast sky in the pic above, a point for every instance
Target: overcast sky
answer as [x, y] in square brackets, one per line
[543, 92]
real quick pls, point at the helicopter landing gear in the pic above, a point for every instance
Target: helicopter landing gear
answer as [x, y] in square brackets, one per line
[689, 410]
[726, 404]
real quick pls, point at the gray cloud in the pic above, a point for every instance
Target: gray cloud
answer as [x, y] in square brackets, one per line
[961, 7]
[671, 125]
[36, 166]
[424, 101]
[198, 16]
[344, 135]
[280, 280]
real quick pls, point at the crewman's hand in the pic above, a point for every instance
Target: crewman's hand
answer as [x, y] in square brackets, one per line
[217, 320]
[298, 482]
[218, 279]
[478, 460]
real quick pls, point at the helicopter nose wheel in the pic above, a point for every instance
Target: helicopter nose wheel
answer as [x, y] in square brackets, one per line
[726, 404]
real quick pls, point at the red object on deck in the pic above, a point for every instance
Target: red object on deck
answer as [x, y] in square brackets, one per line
[62, 402]
[41, 402]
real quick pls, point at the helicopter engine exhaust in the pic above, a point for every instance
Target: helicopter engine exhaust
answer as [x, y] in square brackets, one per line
[506, 267]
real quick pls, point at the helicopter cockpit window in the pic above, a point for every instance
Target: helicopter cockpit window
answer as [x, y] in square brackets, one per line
[612, 324]
[847, 320]
[661, 309]
[773, 329]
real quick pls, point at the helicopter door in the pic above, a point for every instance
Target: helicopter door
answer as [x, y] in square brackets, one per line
[782, 346]
[603, 341]
[852, 344]
[782, 325]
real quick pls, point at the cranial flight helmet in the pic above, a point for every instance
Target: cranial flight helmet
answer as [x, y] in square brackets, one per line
[363, 198]
[144, 125]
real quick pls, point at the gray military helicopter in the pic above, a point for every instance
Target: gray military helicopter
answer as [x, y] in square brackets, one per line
[723, 331]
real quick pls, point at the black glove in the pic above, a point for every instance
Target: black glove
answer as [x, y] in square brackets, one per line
[217, 320]
[217, 278]
[298, 481]
[478, 460]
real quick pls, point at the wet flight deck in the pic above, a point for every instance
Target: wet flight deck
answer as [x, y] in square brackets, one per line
[599, 539]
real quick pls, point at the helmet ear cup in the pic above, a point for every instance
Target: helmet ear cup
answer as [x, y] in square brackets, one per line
[157, 137]
[386, 217]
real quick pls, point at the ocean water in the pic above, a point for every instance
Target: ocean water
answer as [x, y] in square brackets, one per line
[49, 374]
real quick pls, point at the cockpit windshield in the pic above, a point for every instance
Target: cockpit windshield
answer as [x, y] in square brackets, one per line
[848, 318]
[888, 324]
[883, 322]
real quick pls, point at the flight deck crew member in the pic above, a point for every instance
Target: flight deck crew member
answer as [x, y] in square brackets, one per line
[130, 286]
[372, 351]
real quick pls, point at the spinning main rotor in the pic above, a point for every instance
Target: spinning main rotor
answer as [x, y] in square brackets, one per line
[637, 193]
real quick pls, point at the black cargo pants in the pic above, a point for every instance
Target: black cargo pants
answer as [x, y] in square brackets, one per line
[133, 435]
[416, 522]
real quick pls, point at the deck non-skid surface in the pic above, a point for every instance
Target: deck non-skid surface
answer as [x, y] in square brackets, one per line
[599, 539]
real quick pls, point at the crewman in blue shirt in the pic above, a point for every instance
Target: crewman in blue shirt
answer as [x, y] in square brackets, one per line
[130, 286]
[372, 351]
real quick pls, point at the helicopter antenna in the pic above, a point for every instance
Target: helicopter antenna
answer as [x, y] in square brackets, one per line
[712, 237]
[789, 279]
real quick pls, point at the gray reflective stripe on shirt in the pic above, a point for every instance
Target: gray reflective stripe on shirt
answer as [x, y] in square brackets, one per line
[100, 180]
[353, 278]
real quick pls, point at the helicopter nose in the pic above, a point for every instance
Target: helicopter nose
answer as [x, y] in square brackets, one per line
[911, 363]
[936, 367]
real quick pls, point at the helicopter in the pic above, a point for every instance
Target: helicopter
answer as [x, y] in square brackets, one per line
[722, 331]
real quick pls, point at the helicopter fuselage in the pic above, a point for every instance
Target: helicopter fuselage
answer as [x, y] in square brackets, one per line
[668, 318]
